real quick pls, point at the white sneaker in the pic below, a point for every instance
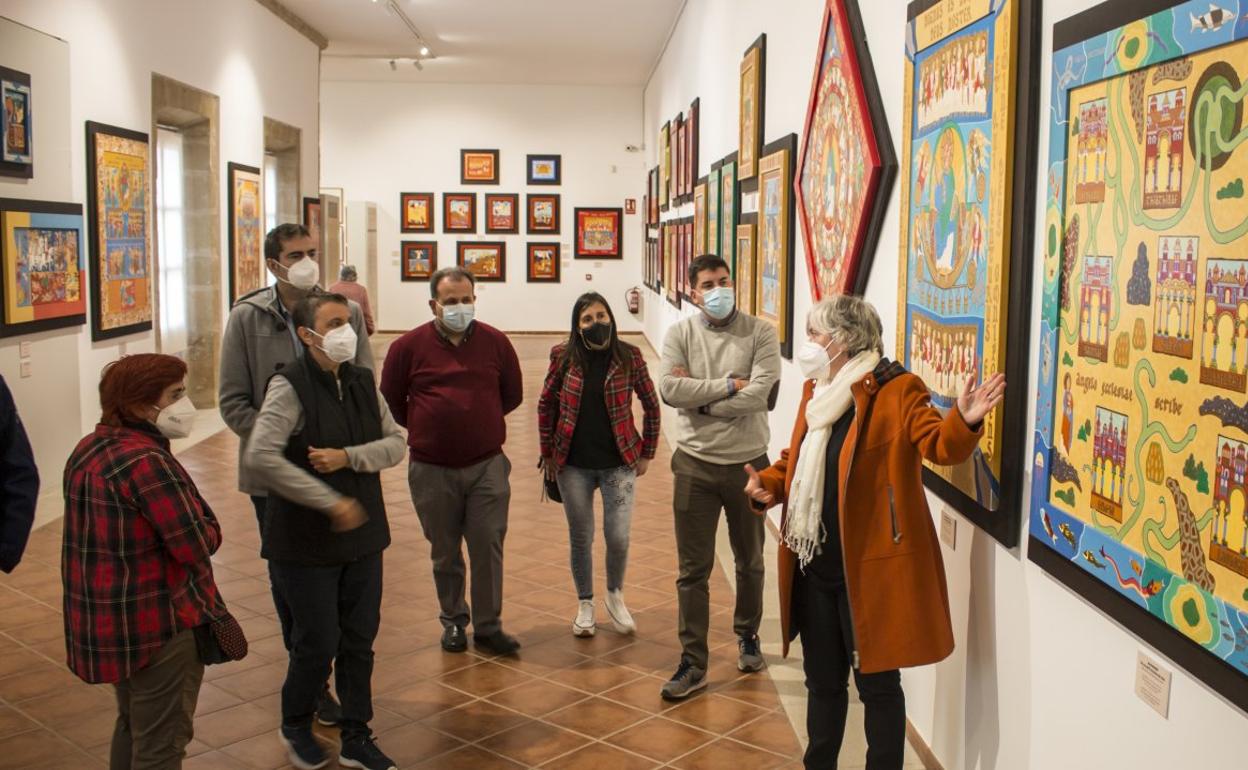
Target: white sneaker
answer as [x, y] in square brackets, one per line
[620, 615]
[584, 624]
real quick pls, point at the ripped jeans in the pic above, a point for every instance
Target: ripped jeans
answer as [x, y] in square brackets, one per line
[577, 485]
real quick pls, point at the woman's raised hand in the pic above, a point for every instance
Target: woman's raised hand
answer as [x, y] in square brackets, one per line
[976, 402]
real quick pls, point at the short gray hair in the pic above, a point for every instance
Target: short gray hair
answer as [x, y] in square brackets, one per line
[348, 273]
[852, 322]
[454, 273]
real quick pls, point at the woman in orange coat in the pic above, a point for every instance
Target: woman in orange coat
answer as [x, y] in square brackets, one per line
[861, 577]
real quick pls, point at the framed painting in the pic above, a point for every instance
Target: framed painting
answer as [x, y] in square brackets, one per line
[419, 260]
[599, 233]
[728, 209]
[478, 166]
[416, 212]
[502, 213]
[665, 165]
[686, 256]
[42, 266]
[750, 116]
[543, 262]
[18, 156]
[312, 215]
[773, 278]
[245, 222]
[543, 214]
[691, 147]
[678, 149]
[744, 267]
[671, 264]
[459, 213]
[1140, 441]
[118, 199]
[699, 217]
[486, 260]
[846, 166]
[712, 211]
[968, 143]
[543, 169]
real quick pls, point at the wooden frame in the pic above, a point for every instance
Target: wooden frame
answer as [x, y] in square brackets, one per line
[502, 222]
[62, 295]
[773, 292]
[17, 154]
[699, 217]
[466, 258]
[543, 169]
[536, 221]
[671, 263]
[453, 218]
[665, 165]
[684, 238]
[312, 215]
[413, 254]
[745, 264]
[691, 148]
[541, 251]
[678, 150]
[478, 167]
[119, 193]
[246, 217]
[729, 210]
[841, 227]
[599, 233]
[713, 193]
[412, 205]
[653, 212]
[753, 91]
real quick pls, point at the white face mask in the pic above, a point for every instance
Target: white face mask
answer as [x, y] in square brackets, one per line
[457, 317]
[339, 344]
[303, 275]
[813, 358]
[177, 419]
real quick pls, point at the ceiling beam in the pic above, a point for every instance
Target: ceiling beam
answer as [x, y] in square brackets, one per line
[296, 22]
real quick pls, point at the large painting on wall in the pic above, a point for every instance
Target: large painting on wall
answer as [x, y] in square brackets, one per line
[750, 110]
[846, 168]
[245, 221]
[42, 266]
[967, 150]
[18, 156]
[773, 279]
[118, 195]
[1141, 436]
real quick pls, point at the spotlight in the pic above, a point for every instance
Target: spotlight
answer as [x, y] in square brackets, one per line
[424, 50]
[393, 67]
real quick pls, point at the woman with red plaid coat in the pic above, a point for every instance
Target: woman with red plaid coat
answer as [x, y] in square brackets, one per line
[589, 441]
[135, 561]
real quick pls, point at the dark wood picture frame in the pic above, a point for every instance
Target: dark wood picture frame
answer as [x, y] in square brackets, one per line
[232, 217]
[581, 249]
[750, 140]
[665, 166]
[671, 263]
[405, 226]
[12, 206]
[405, 249]
[466, 156]
[500, 249]
[532, 179]
[784, 322]
[491, 225]
[691, 148]
[20, 166]
[447, 200]
[531, 225]
[530, 250]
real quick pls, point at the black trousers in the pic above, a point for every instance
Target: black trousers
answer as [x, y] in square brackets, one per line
[283, 611]
[821, 610]
[335, 612]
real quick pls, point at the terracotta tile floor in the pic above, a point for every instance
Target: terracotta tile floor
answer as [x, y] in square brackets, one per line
[563, 703]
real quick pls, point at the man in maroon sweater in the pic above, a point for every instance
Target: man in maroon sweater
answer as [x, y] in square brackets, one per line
[451, 381]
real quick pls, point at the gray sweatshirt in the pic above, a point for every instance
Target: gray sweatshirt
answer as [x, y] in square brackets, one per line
[713, 424]
[281, 417]
[258, 344]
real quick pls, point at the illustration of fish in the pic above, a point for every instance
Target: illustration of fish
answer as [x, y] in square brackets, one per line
[1228, 637]
[1048, 526]
[1090, 558]
[1211, 21]
[1146, 591]
[1064, 528]
[1135, 567]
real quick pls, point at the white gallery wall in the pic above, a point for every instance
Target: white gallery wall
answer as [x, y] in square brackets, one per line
[94, 60]
[380, 139]
[1040, 679]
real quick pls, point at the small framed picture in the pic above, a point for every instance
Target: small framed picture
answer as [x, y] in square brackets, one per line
[543, 214]
[459, 212]
[18, 158]
[501, 214]
[478, 166]
[544, 169]
[599, 233]
[312, 215]
[419, 261]
[416, 212]
[543, 263]
[486, 260]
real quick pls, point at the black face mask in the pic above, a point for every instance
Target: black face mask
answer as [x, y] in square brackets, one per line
[597, 336]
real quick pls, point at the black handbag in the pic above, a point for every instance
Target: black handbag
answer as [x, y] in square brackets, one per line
[550, 487]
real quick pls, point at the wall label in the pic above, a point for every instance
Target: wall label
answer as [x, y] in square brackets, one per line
[1152, 684]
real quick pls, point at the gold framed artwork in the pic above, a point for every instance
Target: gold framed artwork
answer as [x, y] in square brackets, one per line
[773, 285]
[750, 118]
[699, 217]
[743, 269]
[665, 165]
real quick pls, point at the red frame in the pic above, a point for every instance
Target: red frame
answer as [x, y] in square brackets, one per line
[404, 246]
[500, 246]
[447, 198]
[529, 262]
[490, 225]
[429, 202]
[581, 252]
[528, 209]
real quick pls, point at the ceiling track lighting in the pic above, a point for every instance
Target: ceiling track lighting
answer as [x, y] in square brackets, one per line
[393, 7]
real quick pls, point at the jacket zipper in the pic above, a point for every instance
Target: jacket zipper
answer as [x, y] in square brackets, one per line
[892, 512]
[853, 634]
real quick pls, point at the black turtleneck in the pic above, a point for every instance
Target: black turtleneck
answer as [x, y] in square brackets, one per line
[593, 442]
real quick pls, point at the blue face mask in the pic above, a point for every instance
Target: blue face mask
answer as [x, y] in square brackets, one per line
[719, 302]
[457, 317]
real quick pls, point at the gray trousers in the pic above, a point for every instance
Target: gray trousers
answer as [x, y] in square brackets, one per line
[701, 491]
[156, 708]
[465, 505]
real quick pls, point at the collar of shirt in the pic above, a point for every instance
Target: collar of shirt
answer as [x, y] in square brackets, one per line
[442, 335]
[290, 325]
[724, 324]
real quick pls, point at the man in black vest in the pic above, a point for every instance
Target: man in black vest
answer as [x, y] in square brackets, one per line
[319, 443]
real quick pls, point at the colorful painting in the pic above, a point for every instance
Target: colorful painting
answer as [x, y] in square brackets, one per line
[17, 157]
[459, 212]
[118, 195]
[966, 230]
[1140, 458]
[847, 165]
[544, 169]
[750, 115]
[245, 223]
[501, 215]
[728, 212]
[744, 268]
[42, 266]
[599, 233]
[543, 214]
[419, 260]
[671, 263]
[478, 166]
[487, 261]
[773, 279]
[416, 212]
[713, 191]
[699, 218]
[312, 216]
[543, 263]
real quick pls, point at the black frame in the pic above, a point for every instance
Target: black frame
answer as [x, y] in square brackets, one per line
[761, 44]
[691, 147]
[528, 169]
[19, 206]
[664, 183]
[529, 229]
[515, 216]
[784, 143]
[576, 229]
[232, 258]
[446, 220]
[433, 260]
[502, 259]
[528, 262]
[93, 130]
[463, 178]
[403, 196]
[11, 168]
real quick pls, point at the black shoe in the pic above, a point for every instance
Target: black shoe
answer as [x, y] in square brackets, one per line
[301, 746]
[454, 639]
[749, 657]
[363, 753]
[687, 680]
[497, 643]
[328, 711]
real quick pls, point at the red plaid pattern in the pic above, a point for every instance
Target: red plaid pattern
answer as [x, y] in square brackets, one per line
[135, 560]
[561, 403]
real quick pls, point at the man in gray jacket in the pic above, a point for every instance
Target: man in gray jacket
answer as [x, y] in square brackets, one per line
[260, 341]
[718, 370]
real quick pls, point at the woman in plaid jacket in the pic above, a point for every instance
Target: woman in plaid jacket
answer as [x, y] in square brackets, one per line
[589, 441]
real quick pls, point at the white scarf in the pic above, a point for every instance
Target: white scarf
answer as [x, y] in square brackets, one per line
[803, 527]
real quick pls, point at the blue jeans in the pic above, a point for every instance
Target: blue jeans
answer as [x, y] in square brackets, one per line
[577, 486]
